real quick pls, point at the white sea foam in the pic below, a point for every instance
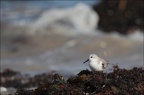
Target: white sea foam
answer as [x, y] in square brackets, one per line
[80, 17]
[137, 36]
[3, 89]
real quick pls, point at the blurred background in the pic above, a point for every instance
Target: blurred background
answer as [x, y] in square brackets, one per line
[59, 35]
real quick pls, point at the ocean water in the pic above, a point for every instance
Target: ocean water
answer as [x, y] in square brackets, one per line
[47, 3]
[55, 51]
[13, 11]
[66, 55]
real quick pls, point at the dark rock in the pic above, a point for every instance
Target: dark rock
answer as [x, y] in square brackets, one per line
[123, 16]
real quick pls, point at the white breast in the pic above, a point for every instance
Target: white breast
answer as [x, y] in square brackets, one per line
[95, 65]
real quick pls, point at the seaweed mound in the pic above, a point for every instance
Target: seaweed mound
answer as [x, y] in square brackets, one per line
[118, 82]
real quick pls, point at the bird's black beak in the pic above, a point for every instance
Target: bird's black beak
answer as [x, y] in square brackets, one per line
[86, 61]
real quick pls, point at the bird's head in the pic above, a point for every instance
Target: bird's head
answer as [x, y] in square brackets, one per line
[91, 57]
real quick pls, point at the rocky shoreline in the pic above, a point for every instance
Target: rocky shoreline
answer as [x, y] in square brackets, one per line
[118, 82]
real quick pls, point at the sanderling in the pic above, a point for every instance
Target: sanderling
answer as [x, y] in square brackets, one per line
[96, 63]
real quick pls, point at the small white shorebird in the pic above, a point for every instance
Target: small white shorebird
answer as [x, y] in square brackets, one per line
[96, 63]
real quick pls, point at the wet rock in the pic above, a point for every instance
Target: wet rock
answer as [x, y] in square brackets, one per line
[123, 16]
[8, 73]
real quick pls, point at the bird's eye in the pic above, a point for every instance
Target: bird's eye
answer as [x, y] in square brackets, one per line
[91, 56]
